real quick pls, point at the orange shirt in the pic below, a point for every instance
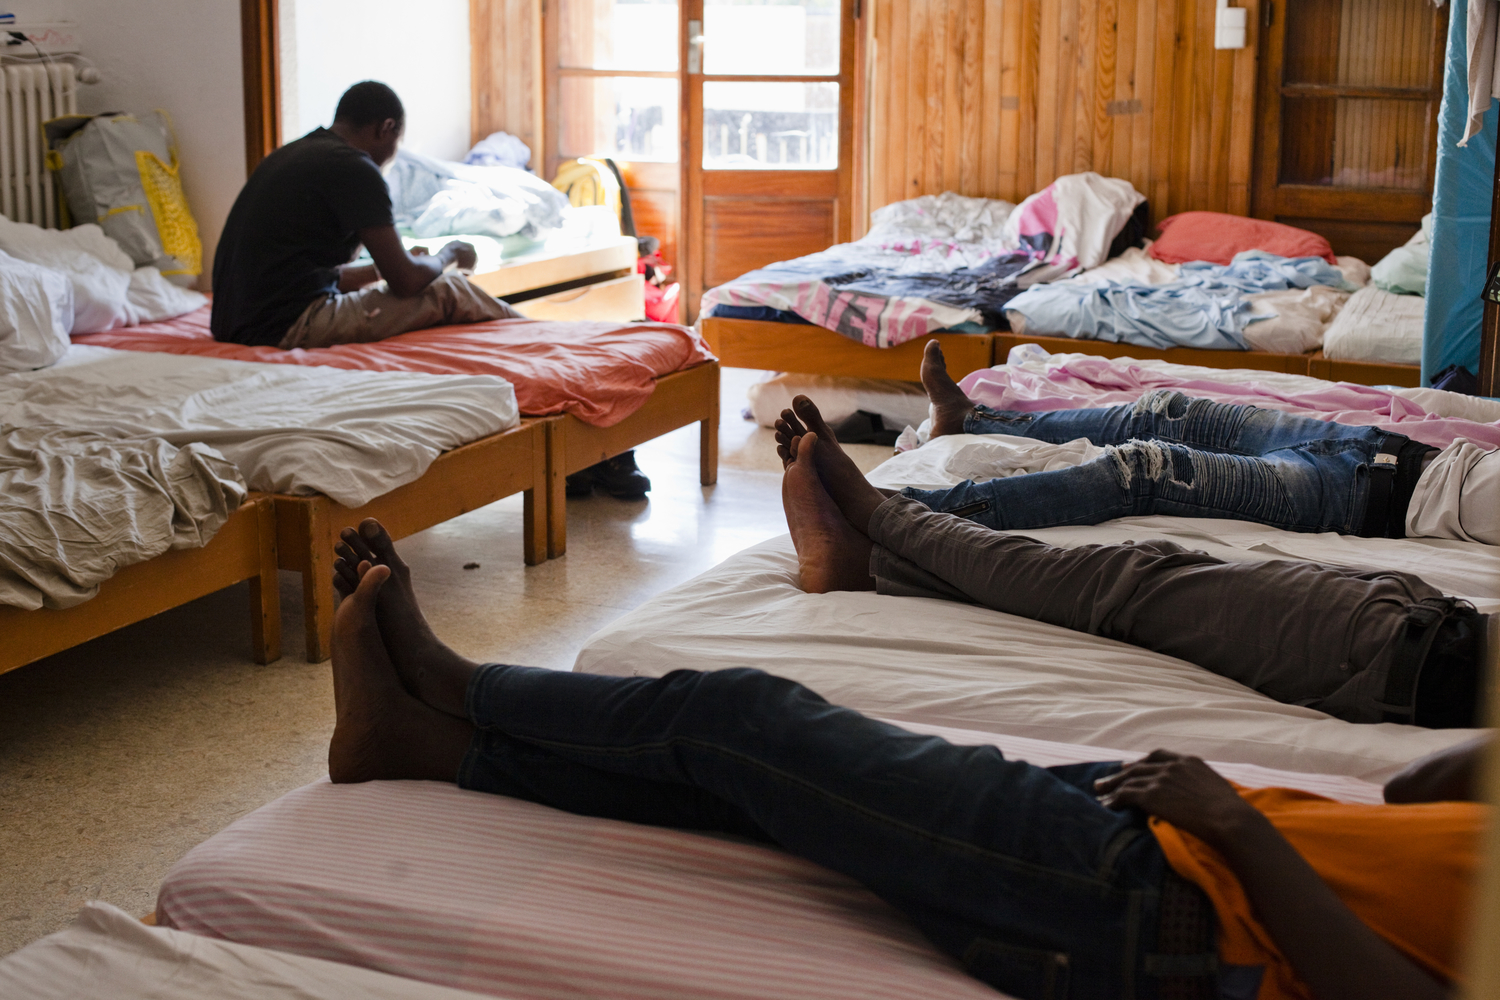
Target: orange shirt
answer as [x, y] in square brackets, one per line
[1404, 870]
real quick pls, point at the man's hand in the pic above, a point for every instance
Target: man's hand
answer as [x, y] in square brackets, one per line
[460, 254]
[1331, 949]
[1182, 790]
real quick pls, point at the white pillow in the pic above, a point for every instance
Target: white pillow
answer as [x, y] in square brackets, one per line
[98, 269]
[36, 313]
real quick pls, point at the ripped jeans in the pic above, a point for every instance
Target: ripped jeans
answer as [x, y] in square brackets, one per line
[1169, 453]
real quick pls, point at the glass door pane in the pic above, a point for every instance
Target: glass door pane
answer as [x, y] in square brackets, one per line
[771, 37]
[770, 126]
[627, 117]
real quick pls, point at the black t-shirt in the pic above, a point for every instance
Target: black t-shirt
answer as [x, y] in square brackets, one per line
[297, 219]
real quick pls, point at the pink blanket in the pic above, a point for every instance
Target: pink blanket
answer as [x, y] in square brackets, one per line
[1035, 382]
[598, 371]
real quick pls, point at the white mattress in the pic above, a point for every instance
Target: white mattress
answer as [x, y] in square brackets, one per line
[108, 955]
[1376, 325]
[290, 428]
[950, 664]
[500, 896]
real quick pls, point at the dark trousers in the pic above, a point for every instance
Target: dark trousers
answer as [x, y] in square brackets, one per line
[1301, 633]
[1015, 870]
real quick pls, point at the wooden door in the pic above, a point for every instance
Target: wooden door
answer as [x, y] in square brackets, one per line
[1349, 93]
[767, 134]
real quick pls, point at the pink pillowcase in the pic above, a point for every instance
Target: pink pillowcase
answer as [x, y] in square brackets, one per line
[1216, 238]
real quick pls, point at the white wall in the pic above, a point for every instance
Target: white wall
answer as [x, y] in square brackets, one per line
[421, 50]
[181, 55]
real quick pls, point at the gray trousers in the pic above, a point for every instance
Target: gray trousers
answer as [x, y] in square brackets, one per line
[375, 313]
[1301, 633]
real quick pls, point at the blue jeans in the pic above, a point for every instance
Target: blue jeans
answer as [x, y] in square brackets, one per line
[1014, 870]
[1173, 454]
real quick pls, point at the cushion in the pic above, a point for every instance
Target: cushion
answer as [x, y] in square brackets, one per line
[1216, 238]
[36, 313]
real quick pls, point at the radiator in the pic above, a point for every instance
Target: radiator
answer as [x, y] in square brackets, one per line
[33, 94]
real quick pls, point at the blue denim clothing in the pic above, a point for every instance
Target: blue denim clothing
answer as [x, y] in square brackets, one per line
[1169, 453]
[1015, 870]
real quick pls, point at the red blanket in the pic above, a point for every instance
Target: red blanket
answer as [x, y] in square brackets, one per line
[600, 372]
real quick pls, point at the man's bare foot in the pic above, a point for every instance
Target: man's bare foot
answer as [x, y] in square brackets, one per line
[432, 672]
[831, 555]
[950, 406]
[788, 431]
[381, 732]
[841, 477]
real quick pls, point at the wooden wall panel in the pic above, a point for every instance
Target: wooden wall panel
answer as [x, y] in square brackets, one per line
[1000, 97]
[505, 38]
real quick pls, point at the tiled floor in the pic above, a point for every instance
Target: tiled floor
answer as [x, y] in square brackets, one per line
[120, 755]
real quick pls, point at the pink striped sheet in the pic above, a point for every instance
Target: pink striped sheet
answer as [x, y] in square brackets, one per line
[505, 897]
[1075, 381]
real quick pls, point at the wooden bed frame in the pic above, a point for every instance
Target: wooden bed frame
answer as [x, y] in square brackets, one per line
[790, 347]
[679, 399]
[743, 343]
[243, 549]
[458, 481]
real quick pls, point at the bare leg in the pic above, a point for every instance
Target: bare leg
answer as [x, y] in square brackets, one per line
[950, 407]
[382, 732]
[831, 555]
[431, 672]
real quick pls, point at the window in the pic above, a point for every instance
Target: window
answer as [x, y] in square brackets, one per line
[617, 79]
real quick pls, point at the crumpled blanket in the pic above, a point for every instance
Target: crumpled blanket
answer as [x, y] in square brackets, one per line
[433, 198]
[936, 262]
[352, 436]
[79, 505]
[1208, 306]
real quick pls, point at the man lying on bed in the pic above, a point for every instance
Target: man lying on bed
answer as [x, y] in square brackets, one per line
[282, 272]
[1359, 644]
[1169, 453]
[1154, 879]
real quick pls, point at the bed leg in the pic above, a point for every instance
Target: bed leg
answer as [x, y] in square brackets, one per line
[708, 439]
[317, 582]
[265, 591]
[536, 509]
[557, 495]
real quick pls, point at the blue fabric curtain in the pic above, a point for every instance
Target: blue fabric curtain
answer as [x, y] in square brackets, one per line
[1461, 217]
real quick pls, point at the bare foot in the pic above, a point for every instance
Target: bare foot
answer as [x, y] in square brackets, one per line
[381, 732]
[432, 672]
[949, 404]
[841, 477]
[831, 555]
[788, 430]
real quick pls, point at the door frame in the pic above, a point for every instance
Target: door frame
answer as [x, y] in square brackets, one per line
[697, 183]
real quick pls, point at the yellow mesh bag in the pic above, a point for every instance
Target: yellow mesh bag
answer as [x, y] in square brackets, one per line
[174, 221]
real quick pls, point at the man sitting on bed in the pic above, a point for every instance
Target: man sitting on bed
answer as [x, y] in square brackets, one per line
[1152, 879]
[1359, 644]
[1169, 453]
[283, 275]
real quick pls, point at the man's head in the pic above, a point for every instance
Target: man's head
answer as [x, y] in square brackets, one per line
[370, 118]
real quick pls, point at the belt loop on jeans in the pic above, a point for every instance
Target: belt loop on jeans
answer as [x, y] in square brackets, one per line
[1382, 487]
[1418, 632]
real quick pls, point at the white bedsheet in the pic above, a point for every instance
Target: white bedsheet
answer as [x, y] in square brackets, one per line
[1376, 325]
[290, 428]
[949, 664]
[109, 955]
